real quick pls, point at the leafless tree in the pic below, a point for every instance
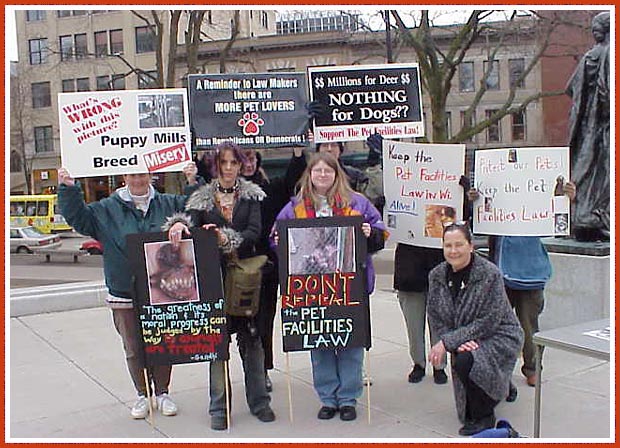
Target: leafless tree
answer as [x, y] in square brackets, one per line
[441, 49]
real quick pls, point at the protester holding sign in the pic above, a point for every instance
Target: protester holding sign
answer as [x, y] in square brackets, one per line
[470, 314]
[324, 191]
[278, 191]
[356, 178]
[135, 208]
[526, 268]
[231, 206]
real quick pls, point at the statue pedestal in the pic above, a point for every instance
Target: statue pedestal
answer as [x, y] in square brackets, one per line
[579, 289]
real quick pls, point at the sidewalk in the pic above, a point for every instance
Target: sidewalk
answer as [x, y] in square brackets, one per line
[68, 380]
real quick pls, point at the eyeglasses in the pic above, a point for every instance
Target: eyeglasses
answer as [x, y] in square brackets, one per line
[322, 171]
[449, 226]
[455, 224]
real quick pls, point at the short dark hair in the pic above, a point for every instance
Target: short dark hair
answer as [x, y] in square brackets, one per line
[459, 226]
[340, 146]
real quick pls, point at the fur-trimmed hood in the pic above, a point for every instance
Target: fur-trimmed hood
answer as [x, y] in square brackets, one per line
[204, 197]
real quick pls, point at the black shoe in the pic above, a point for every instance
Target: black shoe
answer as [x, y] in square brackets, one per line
[440, 377]
[416, 374]
[512, 393]
[475, 426]
[268, 383]
[219, 423]
[326, 413]
[266, 415]
[347, 413]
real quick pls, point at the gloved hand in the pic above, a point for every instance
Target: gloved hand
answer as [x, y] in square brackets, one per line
[315, 109]
[375, 143]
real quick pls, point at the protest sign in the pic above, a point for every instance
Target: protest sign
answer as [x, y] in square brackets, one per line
[179, 300]
[422, 191]
[522, 191]
[250, 109]
[124, 131]
[324, 300]
[359, 100]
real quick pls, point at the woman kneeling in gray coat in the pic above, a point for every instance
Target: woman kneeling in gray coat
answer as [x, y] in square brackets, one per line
[469, 311]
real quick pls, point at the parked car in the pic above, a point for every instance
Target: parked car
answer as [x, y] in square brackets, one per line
[29, 240]
[92, 246]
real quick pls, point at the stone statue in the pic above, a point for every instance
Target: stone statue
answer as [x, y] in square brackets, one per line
[589, 137]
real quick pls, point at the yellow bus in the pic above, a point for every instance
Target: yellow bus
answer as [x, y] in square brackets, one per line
[37, 210]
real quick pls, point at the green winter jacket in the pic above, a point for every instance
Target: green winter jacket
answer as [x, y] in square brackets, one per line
[109, 221]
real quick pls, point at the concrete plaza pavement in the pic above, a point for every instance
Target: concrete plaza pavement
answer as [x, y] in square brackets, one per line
[67, 379]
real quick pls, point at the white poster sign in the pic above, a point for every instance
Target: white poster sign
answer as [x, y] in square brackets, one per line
[124, 131]
[521, 191]
[422, 191]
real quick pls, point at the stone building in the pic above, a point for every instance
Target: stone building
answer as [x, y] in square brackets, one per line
[78, 50]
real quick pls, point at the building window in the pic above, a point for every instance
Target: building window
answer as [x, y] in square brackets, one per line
[518, 125]
[145, 39]
[35, 16]
[16, 162]
[118, 82]
[81, 46]
[66, 47]
[466, 77]
[70, 12]
[82, 84]
[264, 19]
[101, 43]
[43, 141]
[148, 80]
[38, 51]
[68, 85]
[493, 131]
[492, 81]
[116, 42]
[41, 96]
[448, 125]
[516, 67]
[467, 123]
[103, 82]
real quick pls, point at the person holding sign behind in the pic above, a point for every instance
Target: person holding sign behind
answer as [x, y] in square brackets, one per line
[525, 266]
[278, 191]
[230, 205]
[135, 208]
[324, 191]
[469, 313]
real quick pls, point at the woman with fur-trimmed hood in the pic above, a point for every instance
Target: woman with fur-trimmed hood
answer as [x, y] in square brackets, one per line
[231, 206]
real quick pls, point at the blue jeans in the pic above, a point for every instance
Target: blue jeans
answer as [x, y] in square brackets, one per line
[337, 376]
[253, 359]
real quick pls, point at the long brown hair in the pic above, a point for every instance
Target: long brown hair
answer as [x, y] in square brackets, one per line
[340, 187]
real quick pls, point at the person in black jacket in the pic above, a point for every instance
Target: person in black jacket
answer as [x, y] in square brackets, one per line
[231, 206]
[278, 192]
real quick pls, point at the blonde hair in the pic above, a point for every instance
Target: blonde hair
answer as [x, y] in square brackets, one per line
[340, 186]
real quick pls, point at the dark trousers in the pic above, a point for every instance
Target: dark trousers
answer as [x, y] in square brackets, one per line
[269, 301]
[479, 404]
[528, 305]
[127, 327]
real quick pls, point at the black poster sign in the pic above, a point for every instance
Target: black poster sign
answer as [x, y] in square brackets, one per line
[323, 292]
[179, 300]
[251, 109]
[359, 100]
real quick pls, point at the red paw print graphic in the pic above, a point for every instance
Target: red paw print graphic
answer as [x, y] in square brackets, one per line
[251, 123]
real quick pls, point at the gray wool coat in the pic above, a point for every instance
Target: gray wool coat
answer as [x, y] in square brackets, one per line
[480, 312]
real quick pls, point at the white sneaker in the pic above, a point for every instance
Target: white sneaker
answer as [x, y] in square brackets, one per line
[140, 408]
[166, 405]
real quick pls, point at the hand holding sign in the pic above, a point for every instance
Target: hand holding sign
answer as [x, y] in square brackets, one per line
[64, 178]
